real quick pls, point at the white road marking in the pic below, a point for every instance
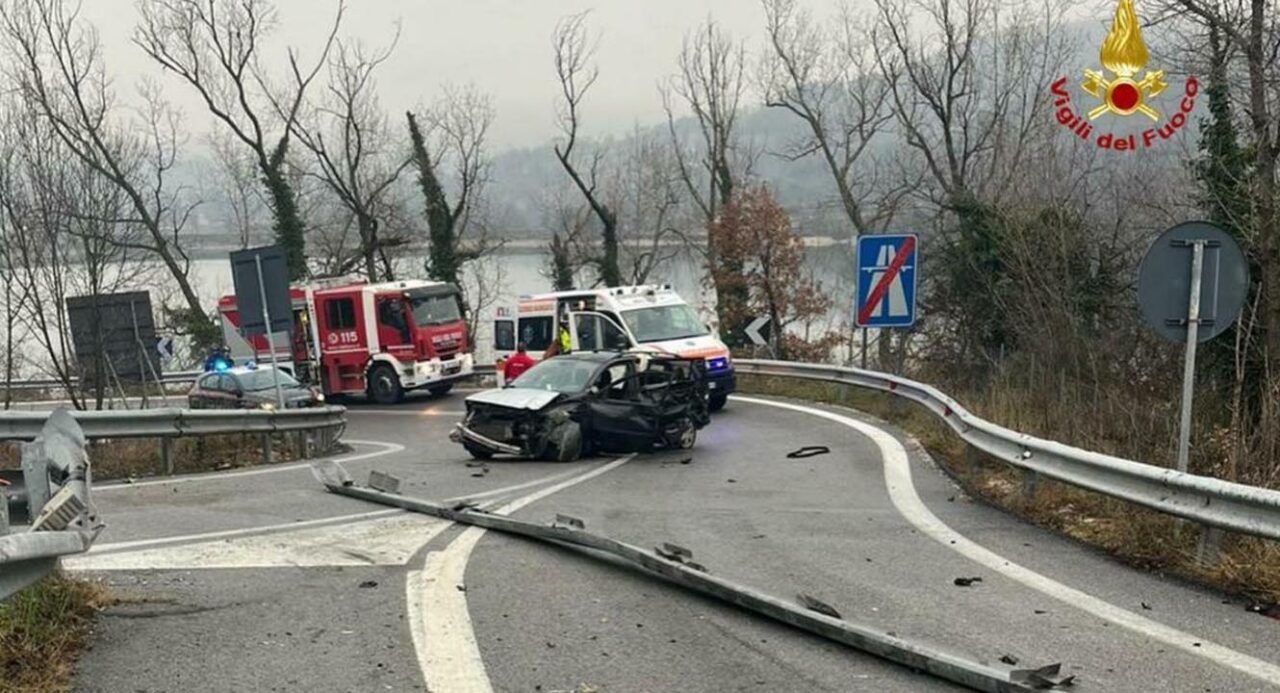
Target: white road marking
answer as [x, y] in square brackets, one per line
[379, 541]
[384, 449]
[139, 546]
[438, 617]
[897, 473]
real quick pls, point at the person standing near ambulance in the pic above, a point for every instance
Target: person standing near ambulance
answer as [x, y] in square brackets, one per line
[517, 364]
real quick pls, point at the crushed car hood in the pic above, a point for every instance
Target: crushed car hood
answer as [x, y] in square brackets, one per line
[516, 398]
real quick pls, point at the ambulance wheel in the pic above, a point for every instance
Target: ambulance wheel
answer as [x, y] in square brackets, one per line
[717, 402]
[384, 385]
[438, 390]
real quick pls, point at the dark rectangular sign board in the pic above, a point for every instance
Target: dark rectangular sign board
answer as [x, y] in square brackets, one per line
[114, 336]
[275, 278]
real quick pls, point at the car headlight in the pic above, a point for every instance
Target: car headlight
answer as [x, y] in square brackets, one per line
[267, 406]
[319, 396]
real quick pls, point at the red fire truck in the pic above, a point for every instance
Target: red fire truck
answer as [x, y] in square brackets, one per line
[372, 339]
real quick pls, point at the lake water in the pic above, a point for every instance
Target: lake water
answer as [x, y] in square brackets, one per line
[522, 272]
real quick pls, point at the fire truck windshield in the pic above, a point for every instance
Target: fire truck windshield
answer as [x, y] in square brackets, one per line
[435, 310]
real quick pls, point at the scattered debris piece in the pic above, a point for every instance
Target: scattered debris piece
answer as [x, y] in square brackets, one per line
[1145, 606]
[1009, 659]
[1038, 612]
[817, 605]
[368, 584]
[733, 481]
[951, 499]
[381, 481]
[569, 521]
[1044, 677]
[808, 451]
[687, 460]
[673, 552]
[473, 464]
[222, 467]
[461, 588]
[966, 581]
[461, 506]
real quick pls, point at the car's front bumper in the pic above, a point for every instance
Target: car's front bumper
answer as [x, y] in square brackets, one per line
[721, 383]
[461, 433]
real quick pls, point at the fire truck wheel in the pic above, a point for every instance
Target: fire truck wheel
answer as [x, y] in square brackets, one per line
[384, 385]
[717, 402]
[437, 390]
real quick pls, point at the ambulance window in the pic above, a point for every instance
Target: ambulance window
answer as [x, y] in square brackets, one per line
[536, 333]
[340, 313]
[504, 335]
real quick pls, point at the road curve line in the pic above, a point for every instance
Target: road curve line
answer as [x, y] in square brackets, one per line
[182, 539]
[385, 449]
[439, 619]
[902, 491]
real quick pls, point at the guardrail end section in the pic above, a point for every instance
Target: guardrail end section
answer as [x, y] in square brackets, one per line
[330, 473]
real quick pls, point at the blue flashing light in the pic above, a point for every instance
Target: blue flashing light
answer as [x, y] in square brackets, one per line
[221, 365]
[718, 364]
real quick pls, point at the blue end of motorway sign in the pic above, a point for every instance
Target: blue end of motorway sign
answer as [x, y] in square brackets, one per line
[886, 281]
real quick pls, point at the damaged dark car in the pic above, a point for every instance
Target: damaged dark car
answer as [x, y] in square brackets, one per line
[578, 404]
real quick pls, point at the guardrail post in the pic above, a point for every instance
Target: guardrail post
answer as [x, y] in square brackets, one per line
[35, 474]
[266, 448]
[1207, 547]
[1030, 482]
[4, 511]
[166, 454]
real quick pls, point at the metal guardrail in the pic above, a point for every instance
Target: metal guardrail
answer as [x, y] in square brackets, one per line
[1211, 502]
[175, 378]
[174, 423]
[55, 501]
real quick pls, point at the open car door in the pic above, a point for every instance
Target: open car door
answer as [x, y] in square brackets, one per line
[620, 419]
[592, 331]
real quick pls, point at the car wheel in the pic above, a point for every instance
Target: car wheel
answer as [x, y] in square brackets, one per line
[717, 402]
[566, 442]
[384, 385]
[438, 390]
[478, 452]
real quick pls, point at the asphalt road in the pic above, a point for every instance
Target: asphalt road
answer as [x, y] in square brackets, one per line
[261, 581]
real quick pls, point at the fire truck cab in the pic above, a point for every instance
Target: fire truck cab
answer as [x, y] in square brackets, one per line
[379, 340]
[630, 318]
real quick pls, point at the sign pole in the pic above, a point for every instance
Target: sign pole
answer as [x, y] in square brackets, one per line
[864, 348]
[271, 341]
[1189, 367]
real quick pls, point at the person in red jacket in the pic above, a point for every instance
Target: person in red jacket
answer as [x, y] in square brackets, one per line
[517, 364]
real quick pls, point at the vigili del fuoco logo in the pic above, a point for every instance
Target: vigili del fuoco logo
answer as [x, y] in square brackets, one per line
[1124, 87]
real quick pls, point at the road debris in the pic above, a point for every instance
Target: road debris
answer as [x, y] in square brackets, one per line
[1145, 606]
[808, 451]
[817, 605]
[384, 482]
[368, 584]
[966, 581]
[1009, 659]
[687, 460]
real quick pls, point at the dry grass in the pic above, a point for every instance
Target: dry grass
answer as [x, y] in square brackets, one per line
[41, 631]
[136, 458]
[1142, 538]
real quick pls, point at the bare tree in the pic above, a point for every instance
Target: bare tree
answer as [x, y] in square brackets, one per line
[574, 52]
[823, 73]
[55, 60]
[971, 102]
[649, 193]
[239, 183]
[356, 159]
[215, 47]
[711, 83]
[451, 152]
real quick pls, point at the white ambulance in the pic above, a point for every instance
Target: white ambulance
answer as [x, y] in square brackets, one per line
[646, 318]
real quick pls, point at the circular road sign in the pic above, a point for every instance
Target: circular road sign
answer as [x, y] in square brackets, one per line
[1164, 281]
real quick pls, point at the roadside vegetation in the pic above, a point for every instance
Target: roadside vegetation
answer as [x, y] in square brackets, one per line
[1144, 539]
[41, 631]
[141, 457]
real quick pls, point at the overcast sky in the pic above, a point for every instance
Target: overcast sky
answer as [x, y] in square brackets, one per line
[502, 46]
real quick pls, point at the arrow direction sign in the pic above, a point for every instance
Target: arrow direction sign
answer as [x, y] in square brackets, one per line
[753, 331]
[165, 347]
